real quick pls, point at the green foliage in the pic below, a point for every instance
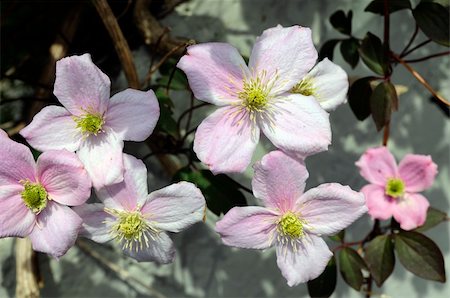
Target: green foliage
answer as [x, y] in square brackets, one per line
[434, 217]
[350, 266]
[377, 6]
[433, 19]
[359, 97]
[325, 284]
[166, 122]
[327, 49]
[379, 256]
[342, 22]
[349, 51]
[382, 101]
[339, 237]
[373, 55]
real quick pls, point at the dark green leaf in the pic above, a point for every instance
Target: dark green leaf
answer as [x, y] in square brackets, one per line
[379, 256]
[359, 97]
[349, 51]
[434, 217]
[342, 22]
[339, 237]
[325, 283]
[420, 255]
[350, 265]
[372, 53]
[178, 81]
[327, 50]
[382, 102]
[377, 6]
[221, 193]
[166, 123]
[433, 20]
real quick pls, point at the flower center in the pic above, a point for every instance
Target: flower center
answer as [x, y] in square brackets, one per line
[90, 123]
[290, 225]
[254, 95]
[395, 187]
[305, 87]
[34, 196]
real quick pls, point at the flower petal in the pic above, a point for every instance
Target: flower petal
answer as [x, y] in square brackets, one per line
[16, 164]
[56, 230]
[133, 114]
[248, 227]
[417, 171]
[215, 72]
[331, 207]
[95, 222]
[305, 264]
[3, 133]
[81, 86]
[64, 177]
[287, 53]
[279, 180]
[225, 140]
[377, 165]
[411, 211]
[16, 220]
[297, 124]
[102, 158]
[175, 207]
[379, 204]
[53, 128]
[160, 250]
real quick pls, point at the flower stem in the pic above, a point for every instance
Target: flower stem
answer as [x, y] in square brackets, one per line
[428, 57]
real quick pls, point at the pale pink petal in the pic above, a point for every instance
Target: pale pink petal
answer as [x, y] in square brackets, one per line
[411, 211]
[133, 114]
[16, 220]
[297, 123]
[102, 158]
[16, 162]
[279, 180]
[81, 86]
[330, 208]
[96, 222]
[417, 171]
[226, 140]
[248, 227]
[64, 177]
[286, 53]
[175, 207]
[51, 129]
[215, 72]
[380, 205]
[56, 230]
[160, 250]
[307, 263]
[3, 133]
[377, 165]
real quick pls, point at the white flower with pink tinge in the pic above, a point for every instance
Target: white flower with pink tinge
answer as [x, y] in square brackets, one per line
[266, 95]
[140, 221]
[91, 123]
[291, 220]
[394, 191]
[34, 197]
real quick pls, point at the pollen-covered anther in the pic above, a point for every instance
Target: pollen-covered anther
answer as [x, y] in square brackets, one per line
[291, 225]
[305, 87]
[34, 196]
[90, 123]
[254, 95]
[395, 187]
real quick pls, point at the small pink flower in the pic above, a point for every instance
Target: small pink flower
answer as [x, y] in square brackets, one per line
[90, 122]
[256, 97]
[291, 220]
[394, 191]
[33, 196]
[138, 220]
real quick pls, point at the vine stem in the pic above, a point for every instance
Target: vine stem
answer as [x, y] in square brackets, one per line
[428, 57]
[416, 30]
[415, 48]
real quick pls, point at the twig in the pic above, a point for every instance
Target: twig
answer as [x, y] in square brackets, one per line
[415, 48]
[26, 275]
[428, 57]
[416, 30]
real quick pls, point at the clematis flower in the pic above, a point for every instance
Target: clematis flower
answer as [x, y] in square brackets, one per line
[34, 197]
[291, 220]
[394, 191]
[91, 123]
[255, 97]
[138, 220]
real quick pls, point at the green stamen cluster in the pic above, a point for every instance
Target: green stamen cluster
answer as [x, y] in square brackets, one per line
[254, 95]
[131, 225]
[34, 196]
[90, 123]
[290, 225]
[395, 187]
[305, 87]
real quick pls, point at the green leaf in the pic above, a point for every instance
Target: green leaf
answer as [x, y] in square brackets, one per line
[350, 265]
[377, 6]
[433, 19]
[342, 22]
[382, 102]
[339, 237]
[420, 255]
[325, 283]
[327, 50]
[359, 97]
[349, 51]
[166, 123]
[220, 191]
[372, 54]
[379, 256]
[434, 217]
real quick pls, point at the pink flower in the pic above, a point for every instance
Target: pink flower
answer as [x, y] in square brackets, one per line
[255, 98]
[138, 220]
[394, 191]
[291, 220]
[33, 196]
[90, 122]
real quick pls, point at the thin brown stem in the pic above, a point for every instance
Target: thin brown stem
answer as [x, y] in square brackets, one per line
[428, 57]
[415, 48]
[416, 30]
